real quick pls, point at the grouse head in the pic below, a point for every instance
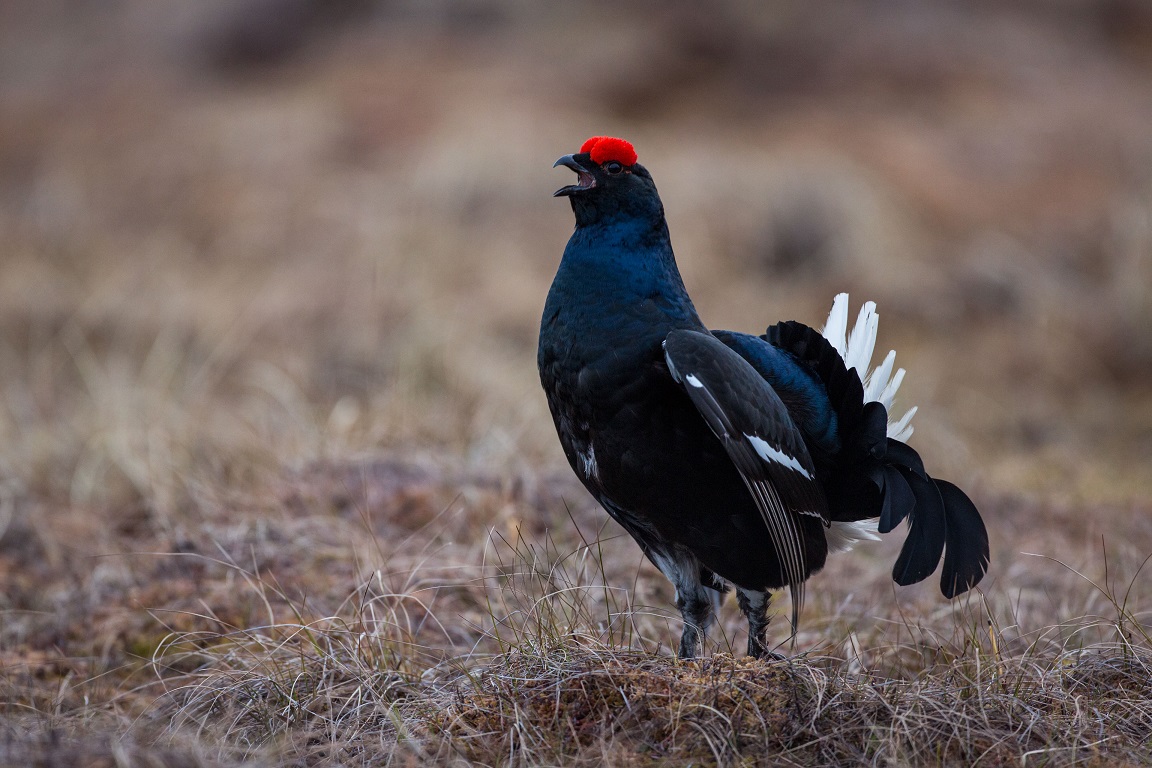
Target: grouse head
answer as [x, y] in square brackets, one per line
[610, 183]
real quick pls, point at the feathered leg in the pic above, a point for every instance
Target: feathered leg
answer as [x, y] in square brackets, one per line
[755, 608]
[698, 603]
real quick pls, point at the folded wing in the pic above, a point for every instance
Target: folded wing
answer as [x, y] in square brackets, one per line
[758, 434]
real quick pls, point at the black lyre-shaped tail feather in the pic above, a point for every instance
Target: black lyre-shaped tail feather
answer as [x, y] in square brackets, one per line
[942, 520]
[878, 477]
[966, 554]
[927, 532]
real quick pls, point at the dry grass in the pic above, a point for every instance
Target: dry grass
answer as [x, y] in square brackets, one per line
[277, 483]
[564, 671]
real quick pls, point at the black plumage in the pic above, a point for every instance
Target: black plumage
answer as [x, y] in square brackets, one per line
[731, 459]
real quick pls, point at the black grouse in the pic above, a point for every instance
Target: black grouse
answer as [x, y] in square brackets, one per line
[732, 459]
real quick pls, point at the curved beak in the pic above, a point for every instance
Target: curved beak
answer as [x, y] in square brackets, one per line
[584, 179]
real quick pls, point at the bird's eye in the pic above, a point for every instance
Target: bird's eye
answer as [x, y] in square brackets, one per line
[613, 167]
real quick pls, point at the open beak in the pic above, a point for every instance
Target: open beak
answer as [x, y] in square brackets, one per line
[584, 179]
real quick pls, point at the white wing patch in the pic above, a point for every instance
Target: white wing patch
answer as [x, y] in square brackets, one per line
[880, 385]
[773, 455]
[694, 381]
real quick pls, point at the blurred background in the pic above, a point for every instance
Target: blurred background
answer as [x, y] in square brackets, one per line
[250, 247]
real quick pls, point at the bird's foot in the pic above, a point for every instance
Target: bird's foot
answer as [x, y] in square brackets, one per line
[691, 643]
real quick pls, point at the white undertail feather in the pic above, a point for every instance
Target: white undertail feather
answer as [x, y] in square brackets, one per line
[836, 329]
[856, 348]
[841, 537]
[862, 339]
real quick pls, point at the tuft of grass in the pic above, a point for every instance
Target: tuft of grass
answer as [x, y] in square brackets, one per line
[307, 690]
[566, 670]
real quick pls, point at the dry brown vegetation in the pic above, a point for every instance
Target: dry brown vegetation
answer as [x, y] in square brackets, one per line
[277, 482]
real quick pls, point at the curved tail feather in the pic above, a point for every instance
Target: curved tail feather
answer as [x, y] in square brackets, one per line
[877, 475]
[927, 532]
[966, 554]
[942, 519]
